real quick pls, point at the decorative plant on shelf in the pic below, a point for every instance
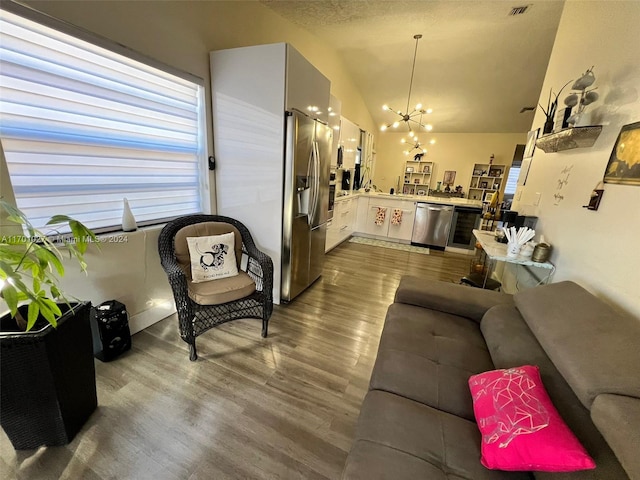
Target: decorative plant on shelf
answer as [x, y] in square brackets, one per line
[31, 262]
[550, 112]
[584, 98]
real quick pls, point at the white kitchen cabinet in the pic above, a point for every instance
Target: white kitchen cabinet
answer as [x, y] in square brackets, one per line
[405, 229]
[343, 222]
[386, 229]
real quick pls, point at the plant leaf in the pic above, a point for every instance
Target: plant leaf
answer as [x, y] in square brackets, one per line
[10, 296]
[32, 314]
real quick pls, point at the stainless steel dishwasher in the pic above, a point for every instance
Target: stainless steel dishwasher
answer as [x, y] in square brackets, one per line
[431, 225]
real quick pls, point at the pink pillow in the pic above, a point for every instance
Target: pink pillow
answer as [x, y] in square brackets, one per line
[521, 429]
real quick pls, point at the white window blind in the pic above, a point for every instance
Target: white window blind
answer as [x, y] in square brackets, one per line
[83, 127]
[512, 180]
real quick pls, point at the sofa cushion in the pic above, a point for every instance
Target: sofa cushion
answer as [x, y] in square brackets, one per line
[428, 356]
[594, 347]
[402, 439]
[618, 419]
[521, 429]
[451, 298]
[511, 343]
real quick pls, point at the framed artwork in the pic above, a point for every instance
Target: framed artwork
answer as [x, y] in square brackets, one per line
[409, 170]
[426, 169]
[406, 190]
[487, 196]
[624, 162]
[529, 148]
[416, 180]
[449, 177]
[484, 184]
[524, 171]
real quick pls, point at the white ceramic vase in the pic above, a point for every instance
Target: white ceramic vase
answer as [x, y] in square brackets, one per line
[128, 220]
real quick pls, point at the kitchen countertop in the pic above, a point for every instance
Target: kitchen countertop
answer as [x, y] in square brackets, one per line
[415, 198]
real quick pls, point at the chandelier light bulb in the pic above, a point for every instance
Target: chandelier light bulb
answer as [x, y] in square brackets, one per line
[383, 128]
[418, 106]
[429, 110]
[395, 124]
[385, 107]
[403, 141]
[432, 141]
[428, 127]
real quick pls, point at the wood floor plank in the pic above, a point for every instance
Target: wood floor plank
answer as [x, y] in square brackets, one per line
[249, 408]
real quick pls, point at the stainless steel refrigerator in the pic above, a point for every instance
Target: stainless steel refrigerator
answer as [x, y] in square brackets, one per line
[306, 202]
[272, 146]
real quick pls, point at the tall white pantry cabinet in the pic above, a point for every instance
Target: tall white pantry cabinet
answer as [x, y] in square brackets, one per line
[251, 88]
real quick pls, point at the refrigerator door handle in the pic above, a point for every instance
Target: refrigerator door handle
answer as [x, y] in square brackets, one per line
[315, 186]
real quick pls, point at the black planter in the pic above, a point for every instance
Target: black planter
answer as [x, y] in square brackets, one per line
[47, 380]
[548, 126]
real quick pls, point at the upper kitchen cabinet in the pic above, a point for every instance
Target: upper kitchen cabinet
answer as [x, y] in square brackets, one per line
[350, 143]
[335, 107]
[309, 93]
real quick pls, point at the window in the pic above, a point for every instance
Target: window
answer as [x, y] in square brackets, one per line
[84, 127]
[512, 179]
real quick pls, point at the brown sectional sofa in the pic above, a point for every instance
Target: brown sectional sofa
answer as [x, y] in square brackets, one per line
[417, 419]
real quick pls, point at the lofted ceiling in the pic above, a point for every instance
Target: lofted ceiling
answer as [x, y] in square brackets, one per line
[476, 66]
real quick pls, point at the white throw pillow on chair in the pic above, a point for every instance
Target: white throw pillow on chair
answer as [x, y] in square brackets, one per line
[212, 257]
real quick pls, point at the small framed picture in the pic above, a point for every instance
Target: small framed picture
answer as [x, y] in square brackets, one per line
[426, 169]
[449, 177]
[416, 181]
[477, 172]
[409, 170]
[421, 191]
[406, 190]
[530, 147]
[495, 172]
[484, 184]
[487, 196]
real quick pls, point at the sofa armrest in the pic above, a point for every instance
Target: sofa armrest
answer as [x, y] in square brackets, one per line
[462, 300]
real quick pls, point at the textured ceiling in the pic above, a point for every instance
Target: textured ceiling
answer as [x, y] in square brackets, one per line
[476, 66]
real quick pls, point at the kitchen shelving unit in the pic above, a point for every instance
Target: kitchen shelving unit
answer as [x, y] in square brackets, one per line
[417, 176]
[485, 180]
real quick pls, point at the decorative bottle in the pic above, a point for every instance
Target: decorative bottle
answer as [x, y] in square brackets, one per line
[128, 220]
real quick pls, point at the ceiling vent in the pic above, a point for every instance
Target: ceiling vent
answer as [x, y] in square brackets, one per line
[518, 10]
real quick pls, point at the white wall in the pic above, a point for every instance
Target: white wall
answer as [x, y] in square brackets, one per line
[595, 249]
[452, 151]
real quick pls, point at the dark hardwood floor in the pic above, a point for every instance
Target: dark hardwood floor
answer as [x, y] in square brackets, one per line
[281, 407]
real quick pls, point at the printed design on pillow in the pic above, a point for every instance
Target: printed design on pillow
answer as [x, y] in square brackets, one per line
[212, 257]
[517, 411]
[215, 258]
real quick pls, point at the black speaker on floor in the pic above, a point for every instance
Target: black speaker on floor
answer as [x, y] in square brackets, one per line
[110, 330]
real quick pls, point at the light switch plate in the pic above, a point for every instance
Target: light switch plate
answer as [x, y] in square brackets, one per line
[537, 199]
[519, 195]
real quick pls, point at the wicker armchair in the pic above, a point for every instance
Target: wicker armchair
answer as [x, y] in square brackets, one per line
[195, 318]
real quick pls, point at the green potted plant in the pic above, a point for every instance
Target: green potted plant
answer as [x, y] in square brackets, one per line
[47, 380]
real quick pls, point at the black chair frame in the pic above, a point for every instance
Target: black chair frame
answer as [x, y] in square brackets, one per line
[195, 319]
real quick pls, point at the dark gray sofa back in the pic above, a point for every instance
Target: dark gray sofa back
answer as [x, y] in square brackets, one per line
[596, 349]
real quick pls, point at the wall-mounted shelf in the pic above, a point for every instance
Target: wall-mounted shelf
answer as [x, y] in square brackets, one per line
[569, 138]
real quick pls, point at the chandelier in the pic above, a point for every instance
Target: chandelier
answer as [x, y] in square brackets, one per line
[414, 144]
[409, 116]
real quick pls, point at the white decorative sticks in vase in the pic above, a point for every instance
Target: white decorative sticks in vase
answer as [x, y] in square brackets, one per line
[516, 239]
